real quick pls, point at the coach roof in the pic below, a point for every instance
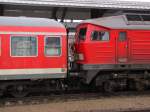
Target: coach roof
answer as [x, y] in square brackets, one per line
[29, 21]
[119, 22]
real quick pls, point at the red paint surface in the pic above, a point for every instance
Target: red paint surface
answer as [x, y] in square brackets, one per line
[41, 61]
[31, 29]
[136, 48]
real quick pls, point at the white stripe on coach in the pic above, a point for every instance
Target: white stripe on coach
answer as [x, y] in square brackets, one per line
[32, 71]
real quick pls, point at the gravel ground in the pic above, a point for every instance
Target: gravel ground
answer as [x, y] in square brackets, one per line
[86, 105]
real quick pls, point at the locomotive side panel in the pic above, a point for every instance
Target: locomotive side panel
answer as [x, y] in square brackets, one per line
[125, 50]
[98, 46]
[139, 47]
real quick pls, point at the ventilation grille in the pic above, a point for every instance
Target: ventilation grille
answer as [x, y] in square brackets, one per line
[142, 19]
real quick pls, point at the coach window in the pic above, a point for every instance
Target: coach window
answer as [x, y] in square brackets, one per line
[100, 36]
[23, 46]
[82, 33]
[122, 36]
[52, 46]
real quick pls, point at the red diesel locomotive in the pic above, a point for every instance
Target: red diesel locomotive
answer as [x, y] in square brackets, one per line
[114, 51]
[110, 53]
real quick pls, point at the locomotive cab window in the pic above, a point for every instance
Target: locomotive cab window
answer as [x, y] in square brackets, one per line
[52, 46]
[100, 36]
[82, 33]
[122, 36]
[23, 46]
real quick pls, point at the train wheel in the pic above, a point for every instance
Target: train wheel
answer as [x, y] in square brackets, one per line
[60, 87]
[109, 86]
[131, 85]
[1, 92]
[19, 91]
[139, 86]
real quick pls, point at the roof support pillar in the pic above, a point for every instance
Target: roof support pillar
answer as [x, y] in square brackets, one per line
[1, 10]
[64, 14]
[54, 13]
[95, 13]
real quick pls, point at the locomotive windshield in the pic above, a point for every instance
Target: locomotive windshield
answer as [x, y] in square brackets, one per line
[82, 33]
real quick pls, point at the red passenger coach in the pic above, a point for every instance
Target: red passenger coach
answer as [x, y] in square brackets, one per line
[32, 48]
[117, 46]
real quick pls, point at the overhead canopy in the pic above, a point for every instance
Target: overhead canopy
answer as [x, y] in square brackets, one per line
[82, 3]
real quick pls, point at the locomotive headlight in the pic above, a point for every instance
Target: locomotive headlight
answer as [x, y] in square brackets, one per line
[80, 56]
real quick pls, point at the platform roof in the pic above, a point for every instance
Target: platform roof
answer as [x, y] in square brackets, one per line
[82, 3]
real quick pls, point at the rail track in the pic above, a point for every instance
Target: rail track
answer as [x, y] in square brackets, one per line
[44, 98]
[119, 110]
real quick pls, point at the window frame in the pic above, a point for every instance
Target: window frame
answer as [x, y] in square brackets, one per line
[37, 47]
[55, 36]
[98, 32]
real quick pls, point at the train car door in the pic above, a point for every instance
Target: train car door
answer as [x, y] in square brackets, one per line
[122, 47]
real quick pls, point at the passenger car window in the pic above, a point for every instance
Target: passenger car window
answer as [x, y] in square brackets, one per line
[23, 46]
[82, 33]
[52, 46]
[100, 36]
[122, 36]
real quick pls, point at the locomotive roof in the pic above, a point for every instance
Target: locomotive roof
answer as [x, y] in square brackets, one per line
[29, 21]
[119, 22]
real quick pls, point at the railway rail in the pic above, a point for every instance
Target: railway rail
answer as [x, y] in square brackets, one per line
[123, 110]
[43, 98]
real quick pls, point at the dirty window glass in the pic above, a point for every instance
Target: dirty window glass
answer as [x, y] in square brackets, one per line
[133, 17]
[122, 36]
[23, 46]
[52, 46]
[146, 17]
